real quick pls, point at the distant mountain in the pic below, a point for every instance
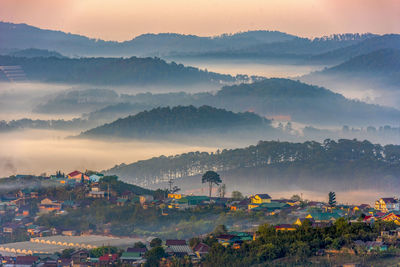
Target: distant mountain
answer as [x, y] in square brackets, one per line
[273, 98]
[113, 71]
[301, 103]
[379, 62]
[115, 111]
[77, 101]
[379, 69]
[34, 52]
[270, 165]
[22, 36]
[181, 120]
[296, 48]
[391, 41]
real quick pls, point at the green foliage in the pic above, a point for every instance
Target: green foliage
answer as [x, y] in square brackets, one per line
[153, 256]
[139, 245]
[211, 178]
[220, 229]
[100, 251]
[112, 71]
[66, 253]
[236, 195]
[310, 164]
[178, 120]
[296, 245]
[156, 242]
[119, 186]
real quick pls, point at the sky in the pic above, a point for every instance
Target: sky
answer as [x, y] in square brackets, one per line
[124, 19]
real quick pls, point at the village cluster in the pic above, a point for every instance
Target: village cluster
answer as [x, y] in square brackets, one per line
[17, 219]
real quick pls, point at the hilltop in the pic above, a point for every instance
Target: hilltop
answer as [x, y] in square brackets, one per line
[273, 165]
[269, 97]
[377, 71]
[23, 36]
[387, 41]
[161, 122]
[112, 71]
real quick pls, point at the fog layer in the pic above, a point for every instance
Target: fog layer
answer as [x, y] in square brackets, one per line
[45, 151]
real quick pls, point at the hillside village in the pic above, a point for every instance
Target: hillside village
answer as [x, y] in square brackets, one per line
[24, 215]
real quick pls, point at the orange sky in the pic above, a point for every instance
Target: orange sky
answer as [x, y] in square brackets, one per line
[125, 19]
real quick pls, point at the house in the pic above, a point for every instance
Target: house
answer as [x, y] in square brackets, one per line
[201, 250]
[78, 176]
[175, 196]
[362, 207]
[26, 261]
[226, 239]
[271, 207]
[109, 259]
[127, 195]
[79, 256]
[194, 200]
[300, 221]
[240, 205]
[391, 217]
[130, 257]
[94, 178]
[241, 236]
[387, 204]
[140, 251]
[260, 198]
[323, 216]
[178, 248]
[10, 228]
[316, 204]
[69, 232]
[64, 262]
[95, 192]
[47, 205]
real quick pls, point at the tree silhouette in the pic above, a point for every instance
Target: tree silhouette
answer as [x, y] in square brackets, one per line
[211, 178]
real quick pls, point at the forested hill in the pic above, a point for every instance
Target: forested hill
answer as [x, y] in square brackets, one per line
[271, 98]
[380, 67]
[23, 36]
[342, 164]
[381, 61]
[160, 122]
[387, 41]
[295, 48]
[301, 102]
[113, 71]
[33, 52]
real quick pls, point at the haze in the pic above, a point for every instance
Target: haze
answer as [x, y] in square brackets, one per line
[125, 19]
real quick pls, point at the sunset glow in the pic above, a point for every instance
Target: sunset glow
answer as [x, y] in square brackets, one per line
[125, 19]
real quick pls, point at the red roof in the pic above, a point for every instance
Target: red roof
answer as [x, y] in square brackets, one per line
[108, 257]
[380, 214]
[74, 173]
[368, 217]
[175, 242]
